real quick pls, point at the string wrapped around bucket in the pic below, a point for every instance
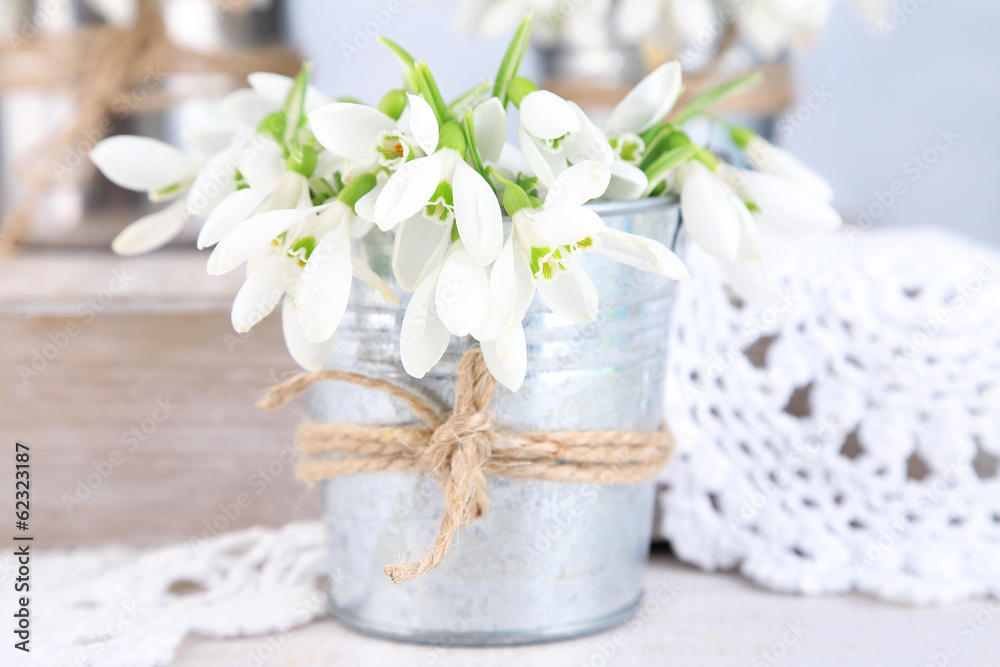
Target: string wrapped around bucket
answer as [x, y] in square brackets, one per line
[462, 449]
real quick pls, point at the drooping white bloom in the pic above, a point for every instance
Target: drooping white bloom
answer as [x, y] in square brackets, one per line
[767, 157]
[164, 173]
[556, 134]
[367, 138]
[669, 25]
[711, 212]
[781, 205]
[643, 107]
[444, 189]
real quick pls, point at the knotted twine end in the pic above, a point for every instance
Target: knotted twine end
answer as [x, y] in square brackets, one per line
[462, 450]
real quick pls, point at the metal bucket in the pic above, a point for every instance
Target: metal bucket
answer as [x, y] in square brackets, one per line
[550, 560]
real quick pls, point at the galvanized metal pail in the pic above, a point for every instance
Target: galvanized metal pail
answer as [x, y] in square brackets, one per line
[550, 560]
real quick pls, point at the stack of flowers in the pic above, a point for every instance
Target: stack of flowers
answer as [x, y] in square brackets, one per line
[294, 177]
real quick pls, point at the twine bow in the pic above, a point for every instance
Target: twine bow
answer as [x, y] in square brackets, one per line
[462, 450]
[99, 66]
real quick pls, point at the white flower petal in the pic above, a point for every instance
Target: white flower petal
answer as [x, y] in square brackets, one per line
[627, 182]
[765, 156]
[292, 191]
[571, 295]
[409, 189]
[477, 214]
[261, 162]
[246, 106]
[543, 164]
[511, 284]
[709, 215]
[209, 138]
[275, 88]
[749, 243]
[423, 123]
[231, 211]
[239, 244]
[309, 356]
[578, 185]
[349, 130]
[462, 296]
[507, 359]
[647, 103]
[548, 116]
[566, 226]
[365, 207]
[490, 121]
[325, 284]
[261, 292]
[787, 207]
[214, 183]
[143, 164]
[641, 252]
[423, 338]
[587, 144]
[418, 249]
[151, 232]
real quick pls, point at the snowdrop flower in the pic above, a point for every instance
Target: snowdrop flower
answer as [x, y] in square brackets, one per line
[767, 157]
[165, 174]
[642, 108]
[555, 134]
[715, 217]
[442, 189]
[368, 138]
[781, 205]
[308, 265]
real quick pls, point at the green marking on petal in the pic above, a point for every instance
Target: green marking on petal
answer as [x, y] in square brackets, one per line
[303, 248]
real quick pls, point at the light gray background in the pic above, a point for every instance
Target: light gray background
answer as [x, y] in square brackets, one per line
[890, 96]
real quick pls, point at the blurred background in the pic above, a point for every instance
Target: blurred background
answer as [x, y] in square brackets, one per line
[896, 106]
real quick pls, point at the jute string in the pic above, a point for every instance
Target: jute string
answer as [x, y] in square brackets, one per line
[462, 449]
[97, 66]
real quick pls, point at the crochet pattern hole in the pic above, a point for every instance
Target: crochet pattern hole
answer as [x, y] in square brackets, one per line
[756, 353]
[185, 587]
[798, 403]
[852, 446]
[916, 468]
[985, 464]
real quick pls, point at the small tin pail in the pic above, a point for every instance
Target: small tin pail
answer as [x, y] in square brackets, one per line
[550, 560]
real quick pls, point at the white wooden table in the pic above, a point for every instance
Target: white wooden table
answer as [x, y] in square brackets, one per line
[706, 620]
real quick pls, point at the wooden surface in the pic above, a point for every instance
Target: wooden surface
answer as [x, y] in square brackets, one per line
[710, 620]
[141, 344]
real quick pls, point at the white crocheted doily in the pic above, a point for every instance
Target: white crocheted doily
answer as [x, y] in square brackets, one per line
[129, 607]
[845, 434]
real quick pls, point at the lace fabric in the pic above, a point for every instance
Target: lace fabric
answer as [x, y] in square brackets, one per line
[844, 435]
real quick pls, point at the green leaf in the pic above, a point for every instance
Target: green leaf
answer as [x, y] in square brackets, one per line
[669, 161]
[512, 59]
[471, 97]
[665, 141]
[470, 137]
[406, 60]
[295, 105]
[429, 89]
[705, 100]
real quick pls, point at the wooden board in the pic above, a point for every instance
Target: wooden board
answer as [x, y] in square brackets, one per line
[103, 355]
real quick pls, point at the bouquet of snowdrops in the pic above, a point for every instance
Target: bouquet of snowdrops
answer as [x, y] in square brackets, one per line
[295, 176]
